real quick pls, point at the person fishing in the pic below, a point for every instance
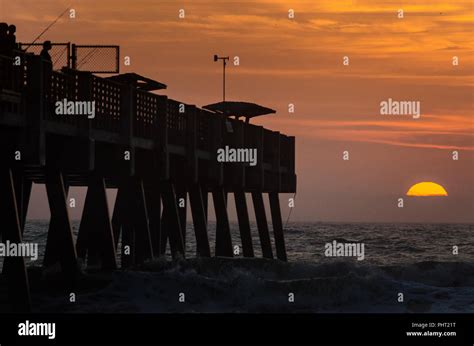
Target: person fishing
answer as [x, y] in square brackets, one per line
[47, 62]
[45, 52]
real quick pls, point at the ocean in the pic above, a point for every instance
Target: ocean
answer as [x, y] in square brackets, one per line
[405, 268]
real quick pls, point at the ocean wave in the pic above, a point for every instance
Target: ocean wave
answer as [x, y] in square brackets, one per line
[440, 274]
[262, 285]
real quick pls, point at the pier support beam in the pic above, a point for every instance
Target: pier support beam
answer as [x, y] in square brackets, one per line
[95, 239]
[14, 268]
[262, 225]
[277, 226]
[223, 236]
[181, 195]
[60, 244]
[132, 216]
[50, 255]
[244, 223]
[22, 194]
[116, 221]
[164, 230]
[205, 201]
[199, 221]
[153, 203]
[122, 225]
[172, 221]
[143, 244]
[128, 235]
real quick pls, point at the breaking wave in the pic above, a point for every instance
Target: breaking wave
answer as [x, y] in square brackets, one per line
[263, 286]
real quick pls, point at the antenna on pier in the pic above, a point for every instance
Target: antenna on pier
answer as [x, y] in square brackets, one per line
[224, 63]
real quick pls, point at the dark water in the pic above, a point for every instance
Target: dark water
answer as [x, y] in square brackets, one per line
[416, 260]
[384, 243]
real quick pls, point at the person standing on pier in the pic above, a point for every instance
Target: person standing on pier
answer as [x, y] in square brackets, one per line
[47, 62]
[11, 38]
[45, 51]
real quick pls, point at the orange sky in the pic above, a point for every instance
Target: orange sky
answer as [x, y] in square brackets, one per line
[299, 61]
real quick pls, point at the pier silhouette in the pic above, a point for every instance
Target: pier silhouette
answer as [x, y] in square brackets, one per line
[154, 150]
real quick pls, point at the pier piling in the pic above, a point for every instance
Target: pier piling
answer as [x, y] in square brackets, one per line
[60, 243]
[223, 236]
[262, 224]
[277, 226]
[14, 268]
[199, 221]
[244, 223]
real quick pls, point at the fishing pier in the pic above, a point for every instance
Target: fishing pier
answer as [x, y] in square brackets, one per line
[154, 150]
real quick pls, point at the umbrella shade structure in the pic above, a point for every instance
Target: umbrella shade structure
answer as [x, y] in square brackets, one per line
[140, 82]
[239, 109]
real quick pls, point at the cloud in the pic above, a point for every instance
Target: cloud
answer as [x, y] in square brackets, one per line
[431, 131]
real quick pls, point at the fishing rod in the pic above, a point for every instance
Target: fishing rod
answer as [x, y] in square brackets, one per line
[48, 27]
[60, 56]
[88, 56]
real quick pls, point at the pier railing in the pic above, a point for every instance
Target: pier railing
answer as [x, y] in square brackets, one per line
[148, 111]
[12, 80]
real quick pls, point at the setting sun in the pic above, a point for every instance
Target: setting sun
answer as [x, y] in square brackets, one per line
[426, 189]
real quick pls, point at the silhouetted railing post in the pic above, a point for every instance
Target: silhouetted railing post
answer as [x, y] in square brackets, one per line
[163, 137]
[191, 145]
[84, 81]
[216, 168]
[260, 136]
[292, 165]
[239, 129]
[35, 100]
[276, 168]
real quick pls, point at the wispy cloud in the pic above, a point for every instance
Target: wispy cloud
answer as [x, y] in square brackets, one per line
[431, 131]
